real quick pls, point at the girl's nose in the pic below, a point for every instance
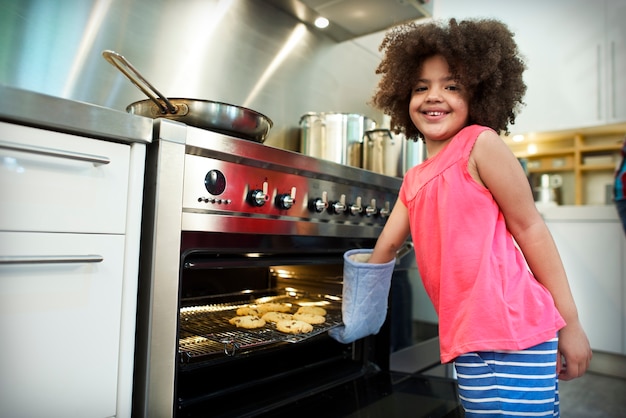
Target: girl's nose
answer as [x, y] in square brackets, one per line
[434, 94]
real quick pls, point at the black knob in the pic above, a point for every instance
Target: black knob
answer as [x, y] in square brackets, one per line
[338, 206]
[257, 198]
[319, 204]
[215, 182]
[284, 201]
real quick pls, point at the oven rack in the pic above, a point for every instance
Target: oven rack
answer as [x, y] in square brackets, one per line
[205, 331]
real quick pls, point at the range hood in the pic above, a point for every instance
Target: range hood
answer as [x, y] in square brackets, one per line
[351, 19]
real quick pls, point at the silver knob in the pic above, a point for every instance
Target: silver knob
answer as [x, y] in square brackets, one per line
[356, 209]
[286, 201]
[319, 204]
[258, 197]
[340, 206]
[384, 212]
[371, 210]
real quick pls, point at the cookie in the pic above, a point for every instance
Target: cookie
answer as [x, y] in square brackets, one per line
[293, 326]
[316, 310]
[272, 307]
[247, 310]
[276, 316]
[247, 321]
[309, 318]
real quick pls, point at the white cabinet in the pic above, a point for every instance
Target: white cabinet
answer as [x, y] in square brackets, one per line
[62, 183]
[593, 254]
[575, 52]
[70, 218]
[60, 311]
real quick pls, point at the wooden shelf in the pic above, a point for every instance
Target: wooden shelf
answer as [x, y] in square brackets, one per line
[550, 170]
[600, 148]
[572, 152]
[597, 167]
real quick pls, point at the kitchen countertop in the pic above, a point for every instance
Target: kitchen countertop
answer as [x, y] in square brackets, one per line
[63, 115]
[595, 213]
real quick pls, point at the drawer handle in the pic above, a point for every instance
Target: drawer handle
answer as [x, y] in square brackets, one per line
[50, 259]
[96, 159]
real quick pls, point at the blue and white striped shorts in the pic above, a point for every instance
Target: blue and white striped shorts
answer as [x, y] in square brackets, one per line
[510, 383]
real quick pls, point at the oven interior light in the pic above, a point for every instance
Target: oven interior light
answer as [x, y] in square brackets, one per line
[282, 273]
[318, 303]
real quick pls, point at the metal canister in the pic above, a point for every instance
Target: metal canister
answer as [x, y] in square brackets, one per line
[414, 154]
[383, 152]
[336, 137]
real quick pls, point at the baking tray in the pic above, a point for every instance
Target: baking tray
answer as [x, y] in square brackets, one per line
[205, 331]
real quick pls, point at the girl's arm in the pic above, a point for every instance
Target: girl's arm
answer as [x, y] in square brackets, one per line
[393, 236]
[493, 164]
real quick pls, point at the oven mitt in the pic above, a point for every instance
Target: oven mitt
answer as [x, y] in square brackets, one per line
[365, 293]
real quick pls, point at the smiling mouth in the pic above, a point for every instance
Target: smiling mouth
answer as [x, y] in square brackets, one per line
[434, 113]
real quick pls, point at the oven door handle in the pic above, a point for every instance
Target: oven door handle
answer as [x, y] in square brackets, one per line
[406, 248]
[51, 259]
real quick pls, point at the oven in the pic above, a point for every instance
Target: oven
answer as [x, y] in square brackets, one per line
[230, 224]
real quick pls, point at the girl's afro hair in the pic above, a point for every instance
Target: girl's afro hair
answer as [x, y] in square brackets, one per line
[482, 56]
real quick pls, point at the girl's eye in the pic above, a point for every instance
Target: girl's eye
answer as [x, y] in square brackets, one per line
[419, 89]
[454, 87]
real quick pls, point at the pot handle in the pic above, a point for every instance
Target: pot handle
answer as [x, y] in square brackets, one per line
[138, 80]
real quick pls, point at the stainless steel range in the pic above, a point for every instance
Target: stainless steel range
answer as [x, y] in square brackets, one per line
[230, 223]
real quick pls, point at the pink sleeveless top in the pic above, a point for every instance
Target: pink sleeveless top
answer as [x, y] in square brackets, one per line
[478, 280]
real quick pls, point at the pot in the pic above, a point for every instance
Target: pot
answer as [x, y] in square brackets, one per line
[414, 154]
[336, 137]
[220, 117]
[383, 152]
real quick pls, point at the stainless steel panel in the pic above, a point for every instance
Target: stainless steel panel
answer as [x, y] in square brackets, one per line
[245, 167]
[158, 298]
[40, 110]
[353, 18]
[245, 52]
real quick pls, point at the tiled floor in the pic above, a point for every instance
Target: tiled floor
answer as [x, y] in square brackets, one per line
[593, 396]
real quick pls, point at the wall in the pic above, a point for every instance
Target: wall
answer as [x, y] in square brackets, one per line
[243, 52]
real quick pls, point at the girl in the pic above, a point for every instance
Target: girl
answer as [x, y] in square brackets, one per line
[487, 259]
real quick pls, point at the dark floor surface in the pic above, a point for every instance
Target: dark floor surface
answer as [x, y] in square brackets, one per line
[593, 396]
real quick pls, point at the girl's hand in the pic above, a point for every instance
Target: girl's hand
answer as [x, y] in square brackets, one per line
[574, 353]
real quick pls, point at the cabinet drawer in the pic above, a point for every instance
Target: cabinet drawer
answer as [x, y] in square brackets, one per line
[54, 182]
[60, 320]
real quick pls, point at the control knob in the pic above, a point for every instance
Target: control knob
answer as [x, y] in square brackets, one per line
[258, 197]
[318, 205]
[371, 210]
[215, 182]
[356, 208]
[340, 205]
[286, 201]
[384, 212]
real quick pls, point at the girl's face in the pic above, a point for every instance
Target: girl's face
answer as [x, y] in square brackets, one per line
[439, 105]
